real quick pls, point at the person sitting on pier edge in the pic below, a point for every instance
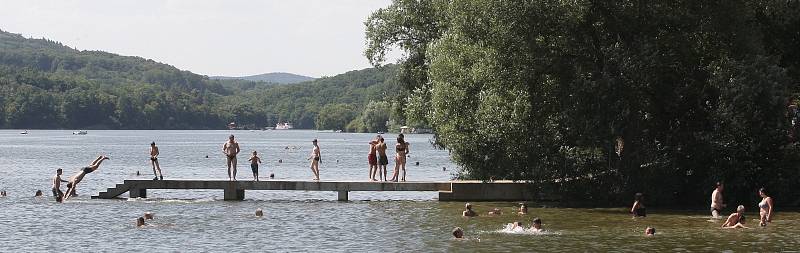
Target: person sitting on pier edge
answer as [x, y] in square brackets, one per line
[736, 220]
[77, 178]
[469, 212]
[638, 209]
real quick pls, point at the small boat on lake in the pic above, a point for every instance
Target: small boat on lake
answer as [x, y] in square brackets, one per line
[283, 126]
[24, 132]
[80, 132]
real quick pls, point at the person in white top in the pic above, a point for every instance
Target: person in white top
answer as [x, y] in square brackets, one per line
[716, 201]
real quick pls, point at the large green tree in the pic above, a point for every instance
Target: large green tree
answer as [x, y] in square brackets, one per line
[612, 96]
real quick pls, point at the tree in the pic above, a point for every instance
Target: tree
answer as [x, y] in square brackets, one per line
[375, 116]
[335, 116]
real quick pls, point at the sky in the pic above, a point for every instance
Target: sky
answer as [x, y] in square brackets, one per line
[209, 37]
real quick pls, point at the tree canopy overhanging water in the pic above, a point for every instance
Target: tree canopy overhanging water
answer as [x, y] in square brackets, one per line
[606, 98]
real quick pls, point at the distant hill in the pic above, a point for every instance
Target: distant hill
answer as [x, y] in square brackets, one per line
[46, 85]
[275, 77]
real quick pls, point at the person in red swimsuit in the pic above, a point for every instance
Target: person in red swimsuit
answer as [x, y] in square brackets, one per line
[373, 160]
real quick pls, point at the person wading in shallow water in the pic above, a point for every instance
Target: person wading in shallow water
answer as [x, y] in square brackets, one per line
[57, 193]
[154, 161]
[231, 149]
[77, 178]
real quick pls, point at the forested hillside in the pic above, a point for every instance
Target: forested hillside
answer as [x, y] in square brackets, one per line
[45, 84]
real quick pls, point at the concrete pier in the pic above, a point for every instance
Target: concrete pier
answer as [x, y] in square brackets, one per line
[234, 190]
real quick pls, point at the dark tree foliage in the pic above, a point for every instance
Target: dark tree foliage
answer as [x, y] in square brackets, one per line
[44, 84]
[609, 98]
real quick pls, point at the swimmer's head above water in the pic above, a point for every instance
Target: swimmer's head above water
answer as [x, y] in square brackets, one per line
[649, 231]
[537, 223]
[259, 212]
[458, 233]
[140, 222]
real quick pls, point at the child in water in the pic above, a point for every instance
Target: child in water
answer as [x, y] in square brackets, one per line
[458, 233]
[254, 161]
[649, 231]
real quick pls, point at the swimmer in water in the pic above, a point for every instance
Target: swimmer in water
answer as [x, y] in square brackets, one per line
[140, 222]
[469, 212]
[736, 220]
[536, 225]
[271, 175]
[77, 178]
[496, 211]
[649, 231]
[458, 233]
[259, 212]
[149, 215]
[764, 207]
[38, 193]
[523, 209]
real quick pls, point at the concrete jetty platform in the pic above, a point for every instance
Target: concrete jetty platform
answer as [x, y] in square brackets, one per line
[234, 190]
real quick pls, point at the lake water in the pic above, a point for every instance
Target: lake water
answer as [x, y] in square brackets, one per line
[305, 221]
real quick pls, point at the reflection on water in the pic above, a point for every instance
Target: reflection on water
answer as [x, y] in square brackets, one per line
[308, 221]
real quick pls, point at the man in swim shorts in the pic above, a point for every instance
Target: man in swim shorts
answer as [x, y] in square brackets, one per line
[383, 160]
[77, 178]
[57, 193]
[154, 161]
[717, 203]
[231, 149]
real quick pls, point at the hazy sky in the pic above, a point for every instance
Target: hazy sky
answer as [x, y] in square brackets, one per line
[210, 37]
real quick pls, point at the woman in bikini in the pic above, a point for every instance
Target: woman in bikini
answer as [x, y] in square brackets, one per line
[765, 207]
[400, 159]
[77, 178]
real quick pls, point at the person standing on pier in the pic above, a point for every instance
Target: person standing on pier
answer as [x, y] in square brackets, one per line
[373, 160]
[231, 149]
[154, 161]
[316, 158]
[254, 161]
[383, 160]
[77, 178]
[400, 159]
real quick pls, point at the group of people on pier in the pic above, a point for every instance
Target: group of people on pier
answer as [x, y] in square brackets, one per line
[377, 160]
